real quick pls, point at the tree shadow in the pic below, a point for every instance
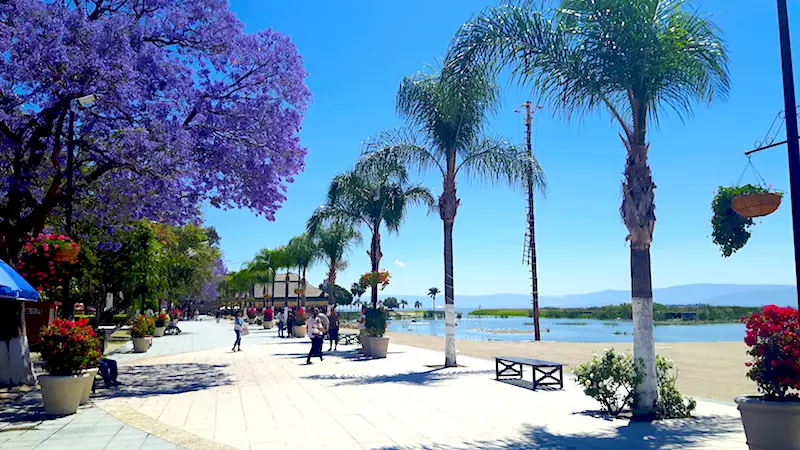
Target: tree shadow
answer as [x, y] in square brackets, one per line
[679, 433]
[158, 379]
[412, 378]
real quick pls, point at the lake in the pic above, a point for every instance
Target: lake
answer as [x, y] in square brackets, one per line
[568, 330]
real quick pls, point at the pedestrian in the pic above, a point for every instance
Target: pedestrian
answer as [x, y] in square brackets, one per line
[196, 314]
[316, 332]
[217, 314]
[362, 326]
[333, 330]
[290, 323]
[281, 323]
[238, 325]
[326, 324]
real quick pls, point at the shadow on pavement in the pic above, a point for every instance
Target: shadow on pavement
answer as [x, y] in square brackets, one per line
[412, 378]
[681, 433]
[158, 379]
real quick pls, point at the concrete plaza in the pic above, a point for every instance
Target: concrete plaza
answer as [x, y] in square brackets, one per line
[196, 393]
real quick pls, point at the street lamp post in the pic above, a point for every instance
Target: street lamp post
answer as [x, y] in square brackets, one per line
[790, 111]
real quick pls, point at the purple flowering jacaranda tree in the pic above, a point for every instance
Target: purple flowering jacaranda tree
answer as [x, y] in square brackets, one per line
[188, 109]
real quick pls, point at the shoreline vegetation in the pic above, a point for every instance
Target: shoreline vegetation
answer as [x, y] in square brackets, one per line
[662, 314]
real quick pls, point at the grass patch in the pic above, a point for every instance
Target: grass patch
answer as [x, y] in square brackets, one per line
[502, 312]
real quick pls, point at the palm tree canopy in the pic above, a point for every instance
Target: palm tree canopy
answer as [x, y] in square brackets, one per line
[352, 201]
[433, 292]
[335, 240]
[631, 57]
[446, 117]
[302, 251]
[357, 290]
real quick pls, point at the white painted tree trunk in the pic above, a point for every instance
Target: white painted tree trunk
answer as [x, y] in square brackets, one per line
[450, 335]
[644, 353]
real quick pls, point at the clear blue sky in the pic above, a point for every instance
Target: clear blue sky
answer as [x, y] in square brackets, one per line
[356, 53]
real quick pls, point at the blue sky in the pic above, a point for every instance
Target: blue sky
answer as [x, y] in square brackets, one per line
[356, 53]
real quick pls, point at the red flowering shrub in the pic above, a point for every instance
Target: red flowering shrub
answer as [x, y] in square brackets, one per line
[251, 313]
[46, 259]
[268, 315]
[142, 326]
[773, 336]
[161, 320]
[175, 314]
[68, 346]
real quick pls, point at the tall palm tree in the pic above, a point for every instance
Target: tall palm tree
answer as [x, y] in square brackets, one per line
[371, 196]
[333, 243]
[629, 58]
[432, 293]
[304, 253]
[446, 116]
[271, 261]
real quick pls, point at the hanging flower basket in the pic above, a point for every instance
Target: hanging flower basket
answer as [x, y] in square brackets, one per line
[378, 278]
[299, 291]
[756, 204]
[46, 259]
[67, 253]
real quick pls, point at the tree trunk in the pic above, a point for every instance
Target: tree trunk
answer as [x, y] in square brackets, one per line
[375, 259]
[448, 206]
[638, 213]
[303, 287]
[286, 295]
[16, 368]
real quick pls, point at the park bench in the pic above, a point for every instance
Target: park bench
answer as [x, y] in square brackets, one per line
[348, 338]
[545, 373]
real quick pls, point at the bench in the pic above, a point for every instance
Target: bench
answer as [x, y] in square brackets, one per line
[545, 373]
[348, 338]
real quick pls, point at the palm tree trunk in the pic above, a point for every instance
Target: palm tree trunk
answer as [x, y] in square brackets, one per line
[303, 287]
[448, 206]
[286, 295]
[638, 212]
[274, 275]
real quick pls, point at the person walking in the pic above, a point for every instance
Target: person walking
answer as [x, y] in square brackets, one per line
[326, 324]
[362, 326]
[316, 332]
[217, 314]
[238, 325]
[333, 330]
[290, 323]
[281, 323]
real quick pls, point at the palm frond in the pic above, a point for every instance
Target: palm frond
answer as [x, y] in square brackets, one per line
[401, 147]
[501, 162]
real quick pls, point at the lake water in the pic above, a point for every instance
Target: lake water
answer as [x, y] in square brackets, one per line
[568, 330]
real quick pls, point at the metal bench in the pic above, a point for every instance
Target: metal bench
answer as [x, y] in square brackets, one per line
[545, 373]
[348, 338]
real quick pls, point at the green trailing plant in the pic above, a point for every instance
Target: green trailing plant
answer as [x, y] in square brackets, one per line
[376, 322]
[730, 231]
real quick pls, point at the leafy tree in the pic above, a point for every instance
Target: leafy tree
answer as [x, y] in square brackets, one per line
[357, 289]
[370, 196]
[446, 116]
[391, 303]
[333, 242]
[629, 58]
[340, 295]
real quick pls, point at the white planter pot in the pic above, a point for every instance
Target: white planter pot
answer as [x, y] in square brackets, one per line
[62, 394]
[87, 388]
[378, 346]
[366, 345]
[770, 425]
[159, 331]
[268, 324]
[299, 331]
[141, 345]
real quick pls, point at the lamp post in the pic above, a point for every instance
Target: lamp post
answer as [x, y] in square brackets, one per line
[790, 111]
[68, 310]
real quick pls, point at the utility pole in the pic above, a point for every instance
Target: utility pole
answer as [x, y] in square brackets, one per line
[529, 253]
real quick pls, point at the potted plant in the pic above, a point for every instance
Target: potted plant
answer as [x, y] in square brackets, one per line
[160, 325]
[142, 328]
[377, 344]
[378, 278]
[67, 349]
[251, 315]
[175, 315]
[772, 420]
[734, 209]
[268, 318]
[299, 329]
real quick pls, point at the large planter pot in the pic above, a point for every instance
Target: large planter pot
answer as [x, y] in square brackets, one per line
[378, 346]
[770, 425]
[87, 387]
[299, 331]
[159, 331]
[268, 324]
[141, 345]
[366, 345]
[62, 394]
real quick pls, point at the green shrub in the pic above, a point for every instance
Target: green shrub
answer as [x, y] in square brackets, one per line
[376, 322]
[610, 379]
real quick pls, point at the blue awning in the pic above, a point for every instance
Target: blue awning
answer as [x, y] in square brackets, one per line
[13, 286]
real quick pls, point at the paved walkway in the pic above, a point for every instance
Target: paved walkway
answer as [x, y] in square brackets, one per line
[196, 393]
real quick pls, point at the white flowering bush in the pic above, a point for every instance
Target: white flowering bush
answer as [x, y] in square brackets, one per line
[610, 379]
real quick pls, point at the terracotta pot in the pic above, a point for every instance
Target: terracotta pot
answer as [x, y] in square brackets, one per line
[159, 331]
[378, 346]
[770, 425]
[299, 331]
[62, 394]
[66, 254]
[366, 343]
[141, 345]
[756, 205]
[268, 324]
[87, 388]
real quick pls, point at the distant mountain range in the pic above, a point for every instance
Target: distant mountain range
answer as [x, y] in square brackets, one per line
[690, 294]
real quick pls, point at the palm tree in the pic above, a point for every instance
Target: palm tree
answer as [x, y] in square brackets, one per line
[403, 303]
[333, 243]
[357, 289]
[303, 252]
[370, 196]
[630, 58]
[432, 293]
[417, 304]
[273, 260]
[447, 115]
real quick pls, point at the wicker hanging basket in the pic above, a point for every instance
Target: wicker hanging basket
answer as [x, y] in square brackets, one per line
[756, 205]
[67, 254]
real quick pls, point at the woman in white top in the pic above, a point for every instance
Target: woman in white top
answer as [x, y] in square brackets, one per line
[316, 331]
